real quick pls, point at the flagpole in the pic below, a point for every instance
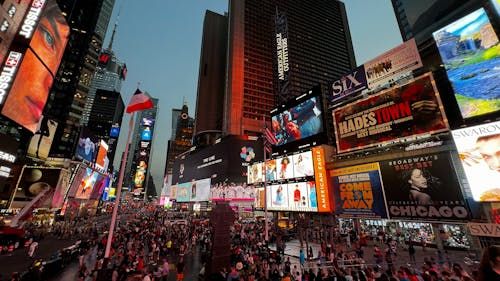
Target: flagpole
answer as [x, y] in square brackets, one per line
[265, 182]
[119, 188]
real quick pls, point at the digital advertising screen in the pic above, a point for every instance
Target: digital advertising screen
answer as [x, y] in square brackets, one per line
[100, 186]
[200, 190]
[358, 192]
[260, 199]
[115, 131]
[40, 44]
[404, 111]
[271, 170]
[348, 85]
[184, 192]
[147, 121]
[232, 192]
[303, 164]
[323, 187]
[297, 122]
[102, 155]
[140, 174]
[470, 50]
[87, 146]
[41, 141]
[33, 181]
[284, 167]
[295, 197]
[479, 151]
[86, 184]
[109, 193]
[61, 189]
[8, 156]
[423, 187]
[146, 134]
[255, 173]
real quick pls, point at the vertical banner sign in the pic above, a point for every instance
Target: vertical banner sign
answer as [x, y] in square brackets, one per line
[479, 150]
[406, 111]
[358, 192]
[323, 196]
[281, 27]
[423, 187]
[392, 64]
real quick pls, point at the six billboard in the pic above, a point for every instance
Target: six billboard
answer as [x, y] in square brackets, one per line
[423, 187]
[348, 85]
[409, 110]
[358, 191]
[470, 50]
[479, 150]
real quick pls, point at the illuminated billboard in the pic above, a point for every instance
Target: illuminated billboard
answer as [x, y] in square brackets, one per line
[41, 142]
[101, 160]
[470, 50]
[29, 88]
[147, 121]
[86, 184]
[34, 181]
[409, 110]
[115, 131]
[348, 85]
[140, 174]
[299, 120]
[423, 187]
[146, 134]
[298, 196]
[193, 191]
[358, 192]
[87, 146]
[479, 150]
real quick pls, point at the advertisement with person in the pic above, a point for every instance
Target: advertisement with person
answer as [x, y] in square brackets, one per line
[392, 64]
[271, 174]
[260, 198]
[277, 197]
[303, 164]
[184, 192]
[255, 173]
[34, 181]
[298, 122]
[358, 191]
[140, 174]
[200, 190]
[232, 192]
[29, 91]
[423, 187]
[470, 50]
[298, 197]
[41, 142]
[409, 110]
[285, 167]
[87, 146]
[479, 151]
[100, 185]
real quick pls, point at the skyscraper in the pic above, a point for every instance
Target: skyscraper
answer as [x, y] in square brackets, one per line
[183, 135]
[314, 47]
[141, 147]
[88, 21]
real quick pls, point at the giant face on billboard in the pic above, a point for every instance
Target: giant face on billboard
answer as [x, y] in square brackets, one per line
[358, 191]
[34, 181]
[423, 187]
[409, 110]
[479, 150]
[298, 122]
[30, 88]
[470, 51]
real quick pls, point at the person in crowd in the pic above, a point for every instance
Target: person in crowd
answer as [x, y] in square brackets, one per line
[489, 267]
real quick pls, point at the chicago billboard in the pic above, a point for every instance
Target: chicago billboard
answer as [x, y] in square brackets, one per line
[358, 192]
[423, 187]
[479, 150]
[409, 110]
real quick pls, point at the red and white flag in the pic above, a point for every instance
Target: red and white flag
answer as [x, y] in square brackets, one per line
[139, 101]
[270, 138]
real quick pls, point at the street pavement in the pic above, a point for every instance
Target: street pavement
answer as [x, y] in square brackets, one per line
[19, 261]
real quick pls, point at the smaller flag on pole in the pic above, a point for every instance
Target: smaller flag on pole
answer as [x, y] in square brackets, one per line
[269, 140]
[139, 101]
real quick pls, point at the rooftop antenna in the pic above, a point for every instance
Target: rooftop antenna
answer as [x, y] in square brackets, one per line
[110, 46]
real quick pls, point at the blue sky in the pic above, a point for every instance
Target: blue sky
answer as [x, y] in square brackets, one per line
[160, 42]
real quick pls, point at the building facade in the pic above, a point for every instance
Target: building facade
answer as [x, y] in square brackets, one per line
[183, 135]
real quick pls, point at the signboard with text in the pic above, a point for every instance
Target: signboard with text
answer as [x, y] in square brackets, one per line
[409, 110]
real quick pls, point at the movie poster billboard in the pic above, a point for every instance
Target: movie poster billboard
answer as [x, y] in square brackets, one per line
[358, 192]
[479, 150]
[33, 182]
[470, 50]
[348, 85]
[409, 110]
[423, 187]
[38, 47]
[392, 64]
[41, 142]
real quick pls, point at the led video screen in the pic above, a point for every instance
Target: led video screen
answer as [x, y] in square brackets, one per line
[299, 196]
[470, 50]
[298, 122]
[479, 150]
[33, 181]
[146, 134]
[147, 121]
[86, 184]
